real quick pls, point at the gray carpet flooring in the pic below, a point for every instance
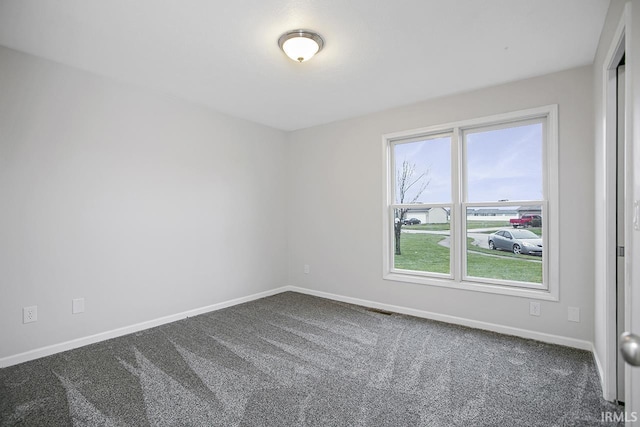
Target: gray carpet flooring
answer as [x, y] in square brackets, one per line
[297, 360]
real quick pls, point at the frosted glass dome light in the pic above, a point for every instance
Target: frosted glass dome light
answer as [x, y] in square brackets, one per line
[300, 45]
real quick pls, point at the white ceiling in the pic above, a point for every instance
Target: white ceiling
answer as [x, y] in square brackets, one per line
[378, 54]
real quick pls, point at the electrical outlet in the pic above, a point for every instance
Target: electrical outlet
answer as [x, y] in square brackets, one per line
[574, 314]
[77, 306]
[30, 314]
[534, 308]
[307, 269]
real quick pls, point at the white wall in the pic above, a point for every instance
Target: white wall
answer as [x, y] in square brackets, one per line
[335, 174]
[143, 204]
[148, 206]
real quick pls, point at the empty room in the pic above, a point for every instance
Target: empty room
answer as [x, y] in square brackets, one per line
[319, 213]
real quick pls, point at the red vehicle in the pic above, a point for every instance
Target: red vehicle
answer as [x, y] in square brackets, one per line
[528, 220]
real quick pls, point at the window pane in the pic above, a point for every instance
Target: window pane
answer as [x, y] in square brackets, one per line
[505, 164]
[505, 243]
[422, 240]
[423, 171]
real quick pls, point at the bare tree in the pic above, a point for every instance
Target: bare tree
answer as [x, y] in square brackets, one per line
[406, 179]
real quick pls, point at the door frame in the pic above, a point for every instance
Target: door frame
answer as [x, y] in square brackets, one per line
[617, 49]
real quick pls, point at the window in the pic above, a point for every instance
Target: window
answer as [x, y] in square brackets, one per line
[474, 204]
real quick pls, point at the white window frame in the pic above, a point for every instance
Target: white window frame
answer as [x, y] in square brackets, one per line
[457, 279]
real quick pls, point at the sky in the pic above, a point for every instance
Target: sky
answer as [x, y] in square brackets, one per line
[502, 164]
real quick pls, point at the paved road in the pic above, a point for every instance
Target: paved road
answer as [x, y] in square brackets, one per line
[479, 239]
[472, 230]
[442, 232]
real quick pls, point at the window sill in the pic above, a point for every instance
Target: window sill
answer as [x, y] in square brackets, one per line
[540, 294]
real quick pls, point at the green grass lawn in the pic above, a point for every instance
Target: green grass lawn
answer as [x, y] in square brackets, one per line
[470, 225]
[429, 227]
[500, 268]
[536, 230]
[487, 224]
[502, 253]
[421, 252]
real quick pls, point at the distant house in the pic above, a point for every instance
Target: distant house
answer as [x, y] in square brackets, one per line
[529, 210]
[442, 216]
[491, 214]
[437, 216]
[420, 214]
[429, 215]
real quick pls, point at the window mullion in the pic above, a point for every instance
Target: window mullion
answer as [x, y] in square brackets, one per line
[456, 197]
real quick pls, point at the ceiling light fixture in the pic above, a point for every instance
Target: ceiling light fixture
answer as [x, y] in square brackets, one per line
[300, 45]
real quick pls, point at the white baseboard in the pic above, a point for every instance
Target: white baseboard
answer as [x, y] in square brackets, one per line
[507, 330]
[600, 370]
[102, 336]
[607, 393]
